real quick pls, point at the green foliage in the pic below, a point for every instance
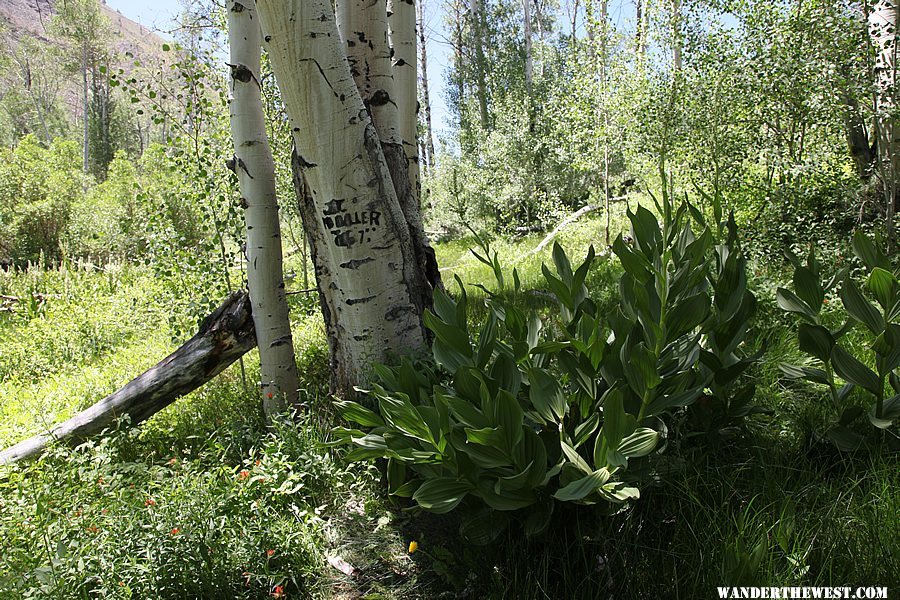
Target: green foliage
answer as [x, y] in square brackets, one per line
[38, 187]
[110, 519]
[880, 325]
[567, 410]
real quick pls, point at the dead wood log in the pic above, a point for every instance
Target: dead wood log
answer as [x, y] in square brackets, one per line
[223, 337]
[565, 223]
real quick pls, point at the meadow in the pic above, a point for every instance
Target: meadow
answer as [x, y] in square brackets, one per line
[206, 501]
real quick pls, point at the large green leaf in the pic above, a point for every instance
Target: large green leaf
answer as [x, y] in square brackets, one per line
[634, 263]
[563, 266]
[646, 231]
[808, 288]
[853, 371]
[509, 415]
[640, 443]
[546, 395]
[867, 252]
[574, 457]
[859, 308]
[815, 340]
[884, 286]
[639, 365]
[441, 495]
[615, 419]
[581, 488]
[483, 526]
[807, 373]
[887, 348]
[788, 301]
[356, 413]
[585, 429]
[686, 315]
[890, 412]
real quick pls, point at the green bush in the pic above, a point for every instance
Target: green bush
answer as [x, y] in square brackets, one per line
[881, 326]
[532, 413]
[37, 189]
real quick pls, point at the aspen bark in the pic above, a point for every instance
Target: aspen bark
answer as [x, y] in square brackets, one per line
[529, 61]
[402, 33]
[883, 33]
[371, 288]
[426, 97]
[386, 79]
[255, 169]
[677, 40]
[478, 23]
[85, 142]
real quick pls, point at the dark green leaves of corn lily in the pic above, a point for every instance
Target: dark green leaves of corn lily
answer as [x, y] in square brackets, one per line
[874, 309]
[518, 413]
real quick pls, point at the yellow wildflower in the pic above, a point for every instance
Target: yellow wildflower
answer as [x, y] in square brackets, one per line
[413, 546]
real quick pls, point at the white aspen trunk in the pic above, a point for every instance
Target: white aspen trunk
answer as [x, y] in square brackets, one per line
[677, 42]
[529, 61]
[478, 19]
[638, 25]
[255, 169]
[387, 85]
[370, 286]
[883, 33]
[423, 74]
[402, 23]
[84, 96]
[644, 24]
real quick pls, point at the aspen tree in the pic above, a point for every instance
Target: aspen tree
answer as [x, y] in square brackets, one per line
[255, 169]
[372, 288]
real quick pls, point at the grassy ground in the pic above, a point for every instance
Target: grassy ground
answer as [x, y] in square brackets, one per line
[204, 502]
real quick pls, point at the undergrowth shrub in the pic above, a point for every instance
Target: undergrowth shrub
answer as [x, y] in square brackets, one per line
[880, 323]
[527, 413]
[109, 519]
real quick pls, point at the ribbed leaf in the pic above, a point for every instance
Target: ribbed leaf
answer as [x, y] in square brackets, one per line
[640, 443]
[581, 488]
[356, 413]
[441, 495]
[808, 288]
[788, 301]
[859, 308]
[854, 371]
[686, 315]
[815, 340]
[884, 286]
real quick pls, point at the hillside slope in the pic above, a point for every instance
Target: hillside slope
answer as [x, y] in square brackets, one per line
[33, 17]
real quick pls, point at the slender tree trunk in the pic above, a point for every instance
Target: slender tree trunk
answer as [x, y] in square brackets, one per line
[478, 26]
[25, 66]
[402, 33]
[677, 41]
[255, 169]
[883, 31]
[529, 61]
[858, 143]
[423, 75]
[371, 288]
[645, 30]
[84, 96]
[638, 25]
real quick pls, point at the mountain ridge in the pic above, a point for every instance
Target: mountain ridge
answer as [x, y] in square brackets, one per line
[32, 17]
